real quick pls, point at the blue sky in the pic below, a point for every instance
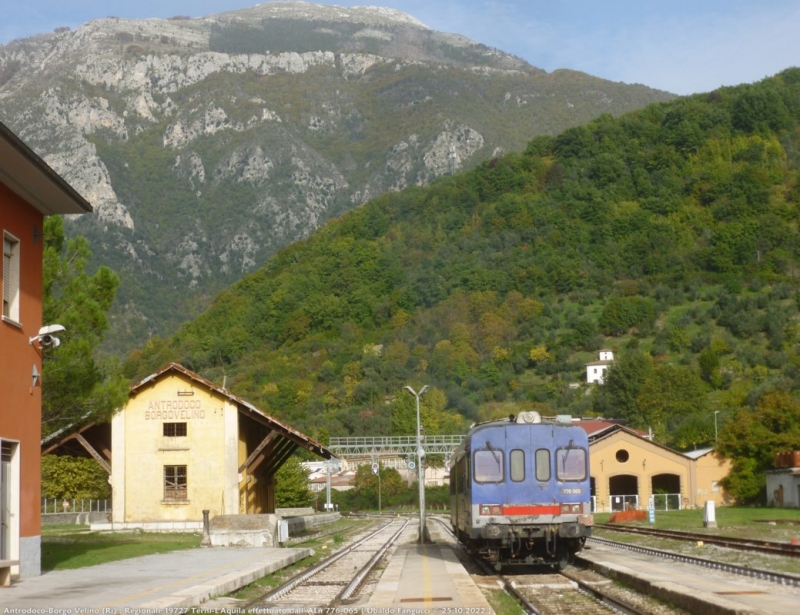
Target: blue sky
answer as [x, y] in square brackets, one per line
[682, 46]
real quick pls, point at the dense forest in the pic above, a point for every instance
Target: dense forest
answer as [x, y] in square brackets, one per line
[668, 235]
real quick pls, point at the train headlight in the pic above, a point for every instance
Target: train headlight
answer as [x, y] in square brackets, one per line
[571, 508]
[492, 531]
[491, 509]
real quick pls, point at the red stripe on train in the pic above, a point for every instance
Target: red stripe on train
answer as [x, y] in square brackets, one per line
[532, 510]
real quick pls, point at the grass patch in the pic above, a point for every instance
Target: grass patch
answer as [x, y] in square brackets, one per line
[66, 547]
[503, 603]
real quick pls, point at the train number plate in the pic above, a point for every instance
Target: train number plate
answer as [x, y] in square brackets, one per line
[571, 491]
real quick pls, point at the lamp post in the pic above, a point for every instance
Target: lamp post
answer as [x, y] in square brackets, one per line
[420, 478]
[716, 412]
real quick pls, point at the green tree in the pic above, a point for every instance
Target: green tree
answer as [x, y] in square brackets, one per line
[69, 477]
[76, 385]
[670, 392]
[753, 437]
[392, 486]
[434, 419]
[623, 384]
[291, 489]
[623, 313]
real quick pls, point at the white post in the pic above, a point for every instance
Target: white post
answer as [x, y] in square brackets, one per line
[420, 476]
[710, 515]
[328, 506]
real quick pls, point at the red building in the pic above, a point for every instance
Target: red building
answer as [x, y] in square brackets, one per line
[29, 191]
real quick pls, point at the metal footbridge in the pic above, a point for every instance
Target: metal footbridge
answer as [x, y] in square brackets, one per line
[392, 446]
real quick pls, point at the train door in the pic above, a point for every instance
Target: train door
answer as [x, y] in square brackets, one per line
[519, 454]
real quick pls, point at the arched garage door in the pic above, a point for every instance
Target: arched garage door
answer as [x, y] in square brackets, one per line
[624, 492]
[666, 490]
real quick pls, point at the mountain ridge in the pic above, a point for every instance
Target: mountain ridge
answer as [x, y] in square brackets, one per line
[204, 150]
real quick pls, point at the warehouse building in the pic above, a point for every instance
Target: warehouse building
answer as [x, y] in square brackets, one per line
[628, 469]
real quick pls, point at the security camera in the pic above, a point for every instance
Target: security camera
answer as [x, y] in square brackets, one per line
[46, 338]
[49, 341]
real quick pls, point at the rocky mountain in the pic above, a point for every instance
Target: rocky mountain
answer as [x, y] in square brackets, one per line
[207, 144]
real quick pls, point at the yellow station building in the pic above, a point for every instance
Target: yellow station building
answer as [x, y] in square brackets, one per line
[182, 445]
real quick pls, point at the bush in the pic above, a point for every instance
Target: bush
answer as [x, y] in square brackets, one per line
[623, 313]
[74, 478]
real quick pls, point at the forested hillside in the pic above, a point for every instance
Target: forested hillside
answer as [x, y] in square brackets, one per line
[668, 235]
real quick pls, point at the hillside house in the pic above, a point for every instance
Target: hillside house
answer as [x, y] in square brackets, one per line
[29, 191]
[596, 370]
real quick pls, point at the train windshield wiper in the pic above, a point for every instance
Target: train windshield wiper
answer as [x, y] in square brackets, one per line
[495, 453]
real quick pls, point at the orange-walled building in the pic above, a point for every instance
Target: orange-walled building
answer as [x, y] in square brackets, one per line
[29, 191]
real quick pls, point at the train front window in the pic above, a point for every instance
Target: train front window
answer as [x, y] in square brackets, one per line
[488, 466]
[543, 465]
[517, 465]
[571, 464]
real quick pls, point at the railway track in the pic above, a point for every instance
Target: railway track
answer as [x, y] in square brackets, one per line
[335, 579]
[743, 544]
[756, 573]
[566, 592]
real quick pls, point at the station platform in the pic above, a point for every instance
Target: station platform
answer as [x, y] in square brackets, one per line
[426, 579]
[148, 584]
[695, 589]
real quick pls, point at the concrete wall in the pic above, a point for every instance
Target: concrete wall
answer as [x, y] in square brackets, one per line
[783, 489]
[260, 530]
[80, 518]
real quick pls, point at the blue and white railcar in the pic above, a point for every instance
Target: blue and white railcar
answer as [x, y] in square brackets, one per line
[520, 491]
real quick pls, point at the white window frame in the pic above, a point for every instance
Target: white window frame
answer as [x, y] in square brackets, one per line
[11, 287]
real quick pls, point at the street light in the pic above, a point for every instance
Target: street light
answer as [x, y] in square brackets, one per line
[420, 455]
[716, 412]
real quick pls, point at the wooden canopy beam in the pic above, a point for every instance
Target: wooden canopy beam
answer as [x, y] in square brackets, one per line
[269, 438]
[90, 449]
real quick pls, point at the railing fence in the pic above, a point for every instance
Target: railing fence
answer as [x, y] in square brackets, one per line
[61, 505]
[667, 501]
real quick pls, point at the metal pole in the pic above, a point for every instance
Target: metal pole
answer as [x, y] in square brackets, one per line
[379, 489]
[716, 412]
[420, 477]
[328, 507]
